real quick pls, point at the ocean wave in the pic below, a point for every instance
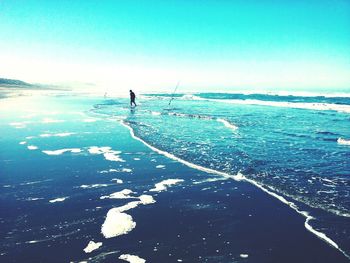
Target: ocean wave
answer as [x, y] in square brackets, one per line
[226, 123]
[240, 177]
[284, 104]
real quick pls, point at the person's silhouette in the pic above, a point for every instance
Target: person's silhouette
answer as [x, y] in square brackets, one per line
[132, 98]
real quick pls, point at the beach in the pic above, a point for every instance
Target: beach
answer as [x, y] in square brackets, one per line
[144, 186]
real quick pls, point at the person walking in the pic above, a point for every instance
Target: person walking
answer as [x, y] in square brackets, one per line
[132, 98]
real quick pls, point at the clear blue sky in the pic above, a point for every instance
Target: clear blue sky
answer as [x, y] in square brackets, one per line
[292, 44]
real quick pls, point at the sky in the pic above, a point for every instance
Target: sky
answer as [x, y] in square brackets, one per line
[217, 45]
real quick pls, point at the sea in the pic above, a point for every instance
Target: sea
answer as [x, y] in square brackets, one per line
[67, 161]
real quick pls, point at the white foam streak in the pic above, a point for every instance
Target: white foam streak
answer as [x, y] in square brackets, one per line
[60, 199]
[131, 258]
[107, 152]
[228, 124]
[63, 134]
[89, 186]
[343, 141]
[162, 186]
[284, 104]
[241, 177]
[124, 194]
[61, 151]
[32, 147]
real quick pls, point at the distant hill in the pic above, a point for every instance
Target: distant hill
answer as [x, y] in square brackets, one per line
[14, 82]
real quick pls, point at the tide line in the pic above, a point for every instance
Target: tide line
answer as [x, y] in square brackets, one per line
[241, 177]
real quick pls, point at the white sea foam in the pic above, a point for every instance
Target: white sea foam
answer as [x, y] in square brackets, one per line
[126, 170]
[227, 124]
[296, 105]
[98, 150]
[24, 142]
[60, 199]
[241, 177]
[124, 194]
[132, 258]
[128, 206]
[155, 113]
[88, 186]
[118, 181]
[32, 147]
[61, 151]
[162, 186]
[243, 255]
[34, 198]
[108, 153]
[144, 200]
[210, 180]
[343, 141]
[113, 156]
[92, 246]
[63, 134]
[117, 223]
[160, 166]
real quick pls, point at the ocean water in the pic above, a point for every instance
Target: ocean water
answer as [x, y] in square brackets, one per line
[295, 146]
[248, 176]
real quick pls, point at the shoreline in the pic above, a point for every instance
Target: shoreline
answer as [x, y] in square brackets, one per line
[207, 217]
[240, 177]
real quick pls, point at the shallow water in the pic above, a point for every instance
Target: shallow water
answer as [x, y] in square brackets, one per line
[62, 158]
[294, 152]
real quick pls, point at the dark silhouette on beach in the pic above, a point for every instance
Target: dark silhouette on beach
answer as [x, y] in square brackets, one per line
[132, 98]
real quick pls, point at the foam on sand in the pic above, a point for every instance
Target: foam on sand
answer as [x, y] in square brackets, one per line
[60, 199]
[132, 258]
[118, 181]
[108, 153]
[124, 194]
[89, 186]
[92, 246]
[126, 170]
[241, 177]
[162, 186]
[117, 223]
[61, 151]
[32, 147]
[343, 141]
